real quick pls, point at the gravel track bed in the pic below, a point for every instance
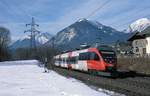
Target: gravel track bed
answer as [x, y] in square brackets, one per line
[141, 80]
[136, 86]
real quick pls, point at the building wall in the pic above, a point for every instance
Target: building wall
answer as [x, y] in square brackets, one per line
[148, 45]
[140, 46]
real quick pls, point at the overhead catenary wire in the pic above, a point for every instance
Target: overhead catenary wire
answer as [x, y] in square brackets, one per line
[126, 23]
[97, 9]
[104, 4]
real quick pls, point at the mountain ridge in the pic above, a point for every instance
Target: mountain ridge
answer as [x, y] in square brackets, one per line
[24, 42]
[85, 31]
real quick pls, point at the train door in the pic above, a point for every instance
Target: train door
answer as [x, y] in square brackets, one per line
[82, 63]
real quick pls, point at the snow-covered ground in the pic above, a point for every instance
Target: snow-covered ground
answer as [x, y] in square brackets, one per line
[25, 78]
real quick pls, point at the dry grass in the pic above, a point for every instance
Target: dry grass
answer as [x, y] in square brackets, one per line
[131, 63]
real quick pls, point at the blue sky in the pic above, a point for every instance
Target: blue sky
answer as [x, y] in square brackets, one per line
[54, 15]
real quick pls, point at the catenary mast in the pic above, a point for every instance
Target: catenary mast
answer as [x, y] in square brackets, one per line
[33, 32]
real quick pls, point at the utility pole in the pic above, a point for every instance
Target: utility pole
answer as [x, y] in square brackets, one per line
[33, 32]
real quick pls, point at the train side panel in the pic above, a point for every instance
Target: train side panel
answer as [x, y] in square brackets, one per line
[64, 60]
[79, 65]
[56, 63]
[74, 64]
[87, 59]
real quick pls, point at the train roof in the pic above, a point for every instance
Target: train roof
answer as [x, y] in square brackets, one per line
[99, 47]
[105, 47]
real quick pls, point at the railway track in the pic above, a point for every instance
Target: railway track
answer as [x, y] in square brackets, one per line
[128, 85]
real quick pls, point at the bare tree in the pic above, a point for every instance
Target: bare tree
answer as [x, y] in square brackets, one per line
[4, 42]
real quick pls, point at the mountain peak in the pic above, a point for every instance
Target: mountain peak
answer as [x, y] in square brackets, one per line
[139, 25]
[43, 37]
[24, 37]
[82, 19]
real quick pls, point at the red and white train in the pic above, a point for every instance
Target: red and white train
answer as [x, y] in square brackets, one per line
[93, 59]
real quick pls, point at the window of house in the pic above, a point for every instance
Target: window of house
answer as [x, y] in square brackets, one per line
[144, 50]
[137, 49]
[146, 41]
[136, 42]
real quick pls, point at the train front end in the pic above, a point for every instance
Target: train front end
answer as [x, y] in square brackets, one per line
[109, 57]
[109, 60]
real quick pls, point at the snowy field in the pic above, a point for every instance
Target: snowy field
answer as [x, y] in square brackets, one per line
[25, 78]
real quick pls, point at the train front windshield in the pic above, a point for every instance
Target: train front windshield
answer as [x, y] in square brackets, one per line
[108, 56]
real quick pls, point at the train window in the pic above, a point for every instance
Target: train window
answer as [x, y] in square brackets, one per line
[63, 60]
[84, 56]
[73, 60]
[88, 56]
[81, 56]
[68, 60]
[94, 56]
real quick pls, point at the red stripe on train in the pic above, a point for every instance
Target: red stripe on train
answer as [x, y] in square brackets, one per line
[96, 65]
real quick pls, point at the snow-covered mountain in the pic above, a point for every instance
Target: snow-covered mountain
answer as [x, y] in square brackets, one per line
[86, 31]
[25, 41]
[139, 25]
[43, 38]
